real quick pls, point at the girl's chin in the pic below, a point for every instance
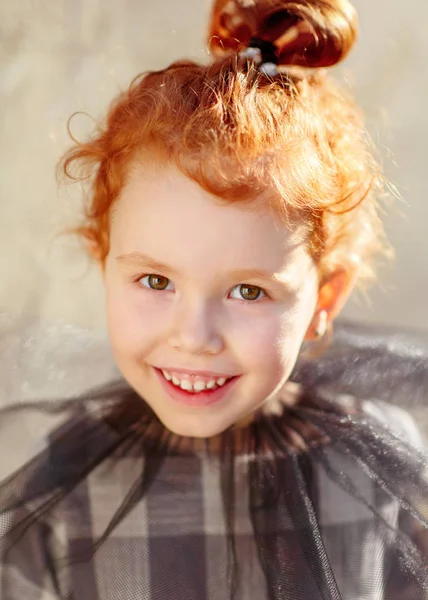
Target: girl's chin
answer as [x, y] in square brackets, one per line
[197, 428]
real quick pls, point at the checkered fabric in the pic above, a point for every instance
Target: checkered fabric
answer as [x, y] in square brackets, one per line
[173, 544]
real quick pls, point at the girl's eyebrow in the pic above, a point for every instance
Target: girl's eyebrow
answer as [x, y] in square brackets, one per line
[140, 260]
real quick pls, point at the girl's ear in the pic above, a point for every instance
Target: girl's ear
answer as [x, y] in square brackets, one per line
[332, 296]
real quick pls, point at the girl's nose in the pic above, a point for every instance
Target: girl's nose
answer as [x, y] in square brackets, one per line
[194, 330]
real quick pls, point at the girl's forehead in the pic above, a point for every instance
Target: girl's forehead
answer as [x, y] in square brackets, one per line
[162, 194]
[173, 220]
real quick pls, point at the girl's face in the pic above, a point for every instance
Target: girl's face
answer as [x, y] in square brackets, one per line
[194, 285]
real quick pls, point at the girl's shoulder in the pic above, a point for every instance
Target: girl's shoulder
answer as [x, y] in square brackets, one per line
[399, 419]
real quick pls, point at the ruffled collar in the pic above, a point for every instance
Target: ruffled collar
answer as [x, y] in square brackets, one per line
[285, 423]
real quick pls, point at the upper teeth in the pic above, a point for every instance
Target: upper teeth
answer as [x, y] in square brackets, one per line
[196, 386]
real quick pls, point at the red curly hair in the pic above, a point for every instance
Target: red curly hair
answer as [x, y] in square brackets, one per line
[293, 139]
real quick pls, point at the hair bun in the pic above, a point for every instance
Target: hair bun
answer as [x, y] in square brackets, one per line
[313, 34]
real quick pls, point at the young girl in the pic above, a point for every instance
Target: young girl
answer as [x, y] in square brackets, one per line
[233, 208]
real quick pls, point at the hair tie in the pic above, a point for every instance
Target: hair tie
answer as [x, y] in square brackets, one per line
[264, 55]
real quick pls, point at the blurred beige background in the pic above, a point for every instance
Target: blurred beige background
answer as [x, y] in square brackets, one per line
[62, 56]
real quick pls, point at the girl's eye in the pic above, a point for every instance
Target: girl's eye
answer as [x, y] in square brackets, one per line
[249, 292]
[155, 282]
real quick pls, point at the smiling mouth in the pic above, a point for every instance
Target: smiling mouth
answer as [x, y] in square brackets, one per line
[193, 397]
[195, 384]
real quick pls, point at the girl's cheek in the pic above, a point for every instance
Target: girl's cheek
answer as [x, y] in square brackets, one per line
[131, 323]
[256, 342]
[288, 335]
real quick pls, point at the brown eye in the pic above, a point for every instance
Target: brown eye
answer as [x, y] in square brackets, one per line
[249, 292]
[155, 282]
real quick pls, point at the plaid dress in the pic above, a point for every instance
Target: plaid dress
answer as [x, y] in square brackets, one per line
[173, 544]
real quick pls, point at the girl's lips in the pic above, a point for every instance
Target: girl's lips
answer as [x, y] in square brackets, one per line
[205, 398]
